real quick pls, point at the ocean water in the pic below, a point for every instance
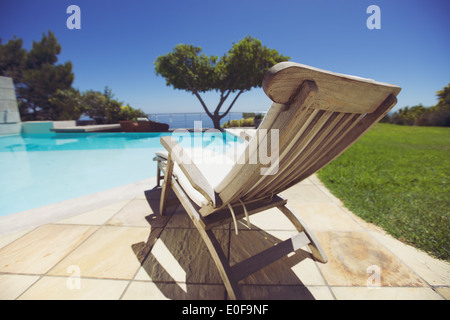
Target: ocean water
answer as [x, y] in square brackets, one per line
[186, 120]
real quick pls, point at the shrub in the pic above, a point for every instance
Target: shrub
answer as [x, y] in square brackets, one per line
[436, 116]
[247, 115]
[246, 122]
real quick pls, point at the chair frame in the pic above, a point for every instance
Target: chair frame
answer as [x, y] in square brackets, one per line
[228, 206]
[231, 275]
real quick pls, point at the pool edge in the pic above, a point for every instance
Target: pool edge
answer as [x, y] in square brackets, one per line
[35, 217]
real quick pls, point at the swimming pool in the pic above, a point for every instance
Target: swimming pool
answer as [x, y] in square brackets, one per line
[41, 169]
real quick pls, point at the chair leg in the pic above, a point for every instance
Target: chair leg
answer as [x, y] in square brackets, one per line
[158, 174]
[222, 264]
[314, 245]
[166, 186]
[212, 244]
[159, 177]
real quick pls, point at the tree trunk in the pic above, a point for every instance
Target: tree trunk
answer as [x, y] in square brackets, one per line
[216, 122]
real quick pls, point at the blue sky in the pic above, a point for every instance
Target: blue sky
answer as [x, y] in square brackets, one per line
[119, 41]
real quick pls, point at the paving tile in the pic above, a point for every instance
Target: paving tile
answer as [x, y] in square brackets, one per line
[97, 216]
[314, 180]
[306, 193]
[139, 213]
[295, 269]
[306, 181]
[384, 293]
[64, 288]
[444, 291]
[112, 252]
[8, 238]
[260, 292]
[13, 285]
[329, 195]
[180, 255]
[433, 271]
[356, 259]
[325, 217]
[147, 290]
[155, 194]
[41, 249]
[272, 219]
[165, 258]
[141, 196]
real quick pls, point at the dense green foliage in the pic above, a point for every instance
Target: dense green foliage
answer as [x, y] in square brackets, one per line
[100, 106]
[246, 122]
[44, 88]
[240, 69]
[36, 74]
[398, 178]
[438, 115]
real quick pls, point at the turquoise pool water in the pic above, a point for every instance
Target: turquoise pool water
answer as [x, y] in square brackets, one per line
[40, 169]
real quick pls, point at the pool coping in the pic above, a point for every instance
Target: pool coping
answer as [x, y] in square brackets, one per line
[64, 209]
[87, 129]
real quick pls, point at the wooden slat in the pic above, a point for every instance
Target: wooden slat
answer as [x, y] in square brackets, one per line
[339, 92]
[285, 153]
[288, 167]
[291, 133]
[246, 175]
[343, 127]
[318, 152]
[166, 186]
[349, 121]
[290, 129]
[361, 127]
[295, 167]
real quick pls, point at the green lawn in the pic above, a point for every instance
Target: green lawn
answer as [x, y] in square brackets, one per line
[398, 177]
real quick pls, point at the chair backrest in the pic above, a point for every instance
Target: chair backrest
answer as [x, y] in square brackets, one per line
[316, 116]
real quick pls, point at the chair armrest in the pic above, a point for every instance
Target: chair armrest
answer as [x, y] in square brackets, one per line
[192, 172]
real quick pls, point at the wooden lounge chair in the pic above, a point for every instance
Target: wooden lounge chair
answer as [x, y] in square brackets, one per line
[316, 115]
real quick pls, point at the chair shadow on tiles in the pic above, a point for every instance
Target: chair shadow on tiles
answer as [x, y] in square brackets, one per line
[178, 262]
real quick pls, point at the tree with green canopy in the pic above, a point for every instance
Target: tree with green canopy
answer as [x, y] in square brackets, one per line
[104, 108]
[12, 59]
[66, 104]
[240, 69]
[44, 88]
[440, 113]
[36, 75]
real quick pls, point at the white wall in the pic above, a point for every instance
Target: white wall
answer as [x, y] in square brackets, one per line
[10, 122]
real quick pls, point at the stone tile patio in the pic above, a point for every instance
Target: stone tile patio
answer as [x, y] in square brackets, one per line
[125, 250]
